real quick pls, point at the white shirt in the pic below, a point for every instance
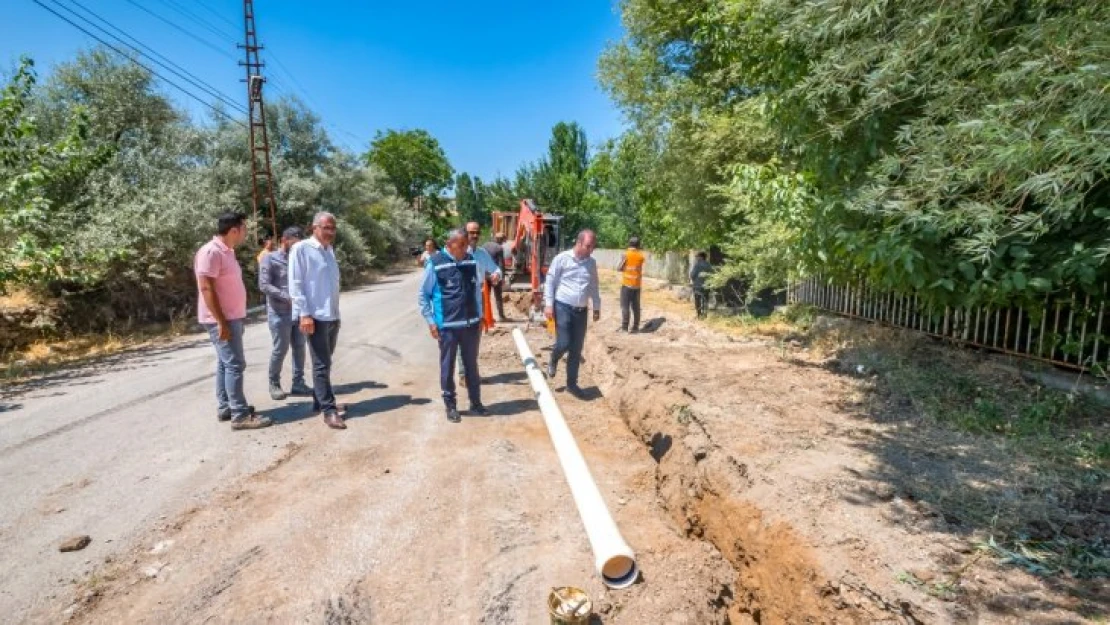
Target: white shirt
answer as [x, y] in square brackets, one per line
[314, 280]
[572, 281]
[486, 266]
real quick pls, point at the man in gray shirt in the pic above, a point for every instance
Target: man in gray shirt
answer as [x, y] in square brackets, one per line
[571, 284]
[273, 281]
[314, 289]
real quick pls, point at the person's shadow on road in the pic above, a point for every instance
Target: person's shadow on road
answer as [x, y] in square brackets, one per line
[508, 408]
[587, 394]
[291, 412]
[511, 377]
[350, 388]
[386, 403]
[299, 411]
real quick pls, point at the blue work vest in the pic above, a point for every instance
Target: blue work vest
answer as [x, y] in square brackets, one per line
[456, 295]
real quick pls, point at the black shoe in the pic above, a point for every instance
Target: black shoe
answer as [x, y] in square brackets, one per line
[634, 331]
[550, 371]
[577, 392]
[479, 410]
[453, 414]
[300, 389]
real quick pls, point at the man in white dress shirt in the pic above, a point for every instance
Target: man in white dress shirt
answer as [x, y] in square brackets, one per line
[314, 289]
[571, 284]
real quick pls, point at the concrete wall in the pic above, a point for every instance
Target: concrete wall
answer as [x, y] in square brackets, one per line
[670, 266]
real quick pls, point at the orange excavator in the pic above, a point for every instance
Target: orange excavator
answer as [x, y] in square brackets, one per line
[533, 240]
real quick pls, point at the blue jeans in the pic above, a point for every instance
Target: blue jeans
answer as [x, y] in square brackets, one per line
[230, 365]
[285, 333]
[570, 337]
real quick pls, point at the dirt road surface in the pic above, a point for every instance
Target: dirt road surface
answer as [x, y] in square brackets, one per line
[403, 518]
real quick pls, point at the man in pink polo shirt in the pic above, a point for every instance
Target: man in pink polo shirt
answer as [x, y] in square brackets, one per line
[221, 309]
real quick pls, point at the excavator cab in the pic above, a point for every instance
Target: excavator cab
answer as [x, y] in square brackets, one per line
[535, 239]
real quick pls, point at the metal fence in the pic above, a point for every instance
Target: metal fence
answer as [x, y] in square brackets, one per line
[1070, 331]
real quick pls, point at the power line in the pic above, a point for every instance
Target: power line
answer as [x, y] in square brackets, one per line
[65, 19]
[294, 86]
[179, 71]
[281, 66]
[185, 31]
[209, 8]
[199, 20]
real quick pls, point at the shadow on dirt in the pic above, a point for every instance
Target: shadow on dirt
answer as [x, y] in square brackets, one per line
[972, 449]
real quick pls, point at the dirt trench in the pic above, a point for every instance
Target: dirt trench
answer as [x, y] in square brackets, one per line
[699, 483]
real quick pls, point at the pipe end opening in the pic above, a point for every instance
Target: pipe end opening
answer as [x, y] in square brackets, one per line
[620, 572]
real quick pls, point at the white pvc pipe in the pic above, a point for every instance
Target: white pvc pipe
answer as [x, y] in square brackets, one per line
[613, 557]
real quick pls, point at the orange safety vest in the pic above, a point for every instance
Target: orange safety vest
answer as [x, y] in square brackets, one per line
[487, 308]
[633, 274]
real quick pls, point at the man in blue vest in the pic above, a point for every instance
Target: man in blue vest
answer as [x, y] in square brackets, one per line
[451, 302]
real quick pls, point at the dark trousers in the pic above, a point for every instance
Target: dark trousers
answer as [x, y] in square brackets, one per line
[630, 302]
[321, 343]
[570, 336]
[464, 342]
[497, 298]
[462, 361]
[701, 302]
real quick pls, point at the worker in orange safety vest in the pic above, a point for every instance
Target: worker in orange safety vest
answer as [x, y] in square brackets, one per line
[632, 277]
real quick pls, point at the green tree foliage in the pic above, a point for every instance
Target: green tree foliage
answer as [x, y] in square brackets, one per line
[955, 149]
[37, 208]
[468, 199]
[560, 182]
[619, 193]
[502, 195]
[413, 162]
[107, 190]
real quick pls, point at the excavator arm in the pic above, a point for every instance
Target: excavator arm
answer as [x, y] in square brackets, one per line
[527, 243]
[533, 240]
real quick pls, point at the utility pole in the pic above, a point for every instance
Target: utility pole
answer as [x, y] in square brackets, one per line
[262, 177]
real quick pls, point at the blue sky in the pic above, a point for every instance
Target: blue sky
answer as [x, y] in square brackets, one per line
[488, 79]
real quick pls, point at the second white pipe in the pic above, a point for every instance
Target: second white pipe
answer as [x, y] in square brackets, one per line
[613, 557]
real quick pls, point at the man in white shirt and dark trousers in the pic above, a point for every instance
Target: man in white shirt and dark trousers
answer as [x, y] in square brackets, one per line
[571, 284]
[487, 270]
[314, 289]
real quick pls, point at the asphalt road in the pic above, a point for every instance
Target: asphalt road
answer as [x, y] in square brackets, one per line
[115, 448]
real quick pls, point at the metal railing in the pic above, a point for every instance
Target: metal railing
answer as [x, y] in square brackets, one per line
[1071, 331]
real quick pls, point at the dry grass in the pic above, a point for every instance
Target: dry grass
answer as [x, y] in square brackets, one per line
[17, 300]
[48, 355]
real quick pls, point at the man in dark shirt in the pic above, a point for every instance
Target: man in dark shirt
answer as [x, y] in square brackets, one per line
[496, 249]
[698, 275]
[273, 281]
